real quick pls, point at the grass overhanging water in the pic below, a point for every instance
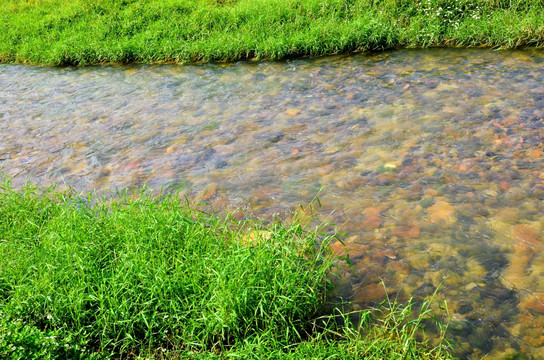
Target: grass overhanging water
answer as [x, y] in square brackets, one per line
[80, 32]
[143, 276]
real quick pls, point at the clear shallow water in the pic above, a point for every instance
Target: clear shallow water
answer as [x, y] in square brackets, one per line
[432, 161]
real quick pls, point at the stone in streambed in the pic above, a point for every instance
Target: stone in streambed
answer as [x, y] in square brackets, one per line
[80, 169]
[513, 195]
[502, 221]
[441, 212]
[430, 193]
[388, 253]
[266, 193]
[350, 183]
[131, 165]
[222, 202]
[354, 239]
[526, 236]
[292, 111]
[372, 222]
[372, 219]
[398, 267]
[354, 251]
[514, 276]
[369, 293]
[325, 169]
[475, 270]
[533, 303]
[419, 261]
[526, 243]
[209, 191]
[338, 249]
[531, 329]
[414, 192]
[450, 279]
[382, 257]
[407, 232]
[425, 289]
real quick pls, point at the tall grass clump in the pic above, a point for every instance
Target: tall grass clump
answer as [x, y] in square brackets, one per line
[144, 275]
[83, 32]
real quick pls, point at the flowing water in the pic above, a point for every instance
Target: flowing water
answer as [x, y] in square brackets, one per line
[432, 161]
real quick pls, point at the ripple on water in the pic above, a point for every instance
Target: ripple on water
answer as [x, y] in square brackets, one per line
[432, 161]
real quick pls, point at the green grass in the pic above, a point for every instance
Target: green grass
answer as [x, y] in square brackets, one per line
[147, 276]
[85, 32]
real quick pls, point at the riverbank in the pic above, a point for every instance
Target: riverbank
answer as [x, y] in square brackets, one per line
[143, 278]
[55, 32]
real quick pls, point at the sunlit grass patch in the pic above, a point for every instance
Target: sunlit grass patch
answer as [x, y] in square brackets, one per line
[148, 275]
[82, 32]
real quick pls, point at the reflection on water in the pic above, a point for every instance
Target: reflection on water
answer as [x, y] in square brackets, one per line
[432, 160]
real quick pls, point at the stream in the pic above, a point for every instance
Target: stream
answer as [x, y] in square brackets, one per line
[431, 161]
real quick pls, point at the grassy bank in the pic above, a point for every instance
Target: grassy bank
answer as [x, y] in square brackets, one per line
[142, 277]
[85, 32]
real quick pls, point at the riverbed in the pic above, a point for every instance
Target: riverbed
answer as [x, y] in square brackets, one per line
[430, 161]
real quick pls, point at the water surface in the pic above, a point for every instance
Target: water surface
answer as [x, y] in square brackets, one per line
[430, 160]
